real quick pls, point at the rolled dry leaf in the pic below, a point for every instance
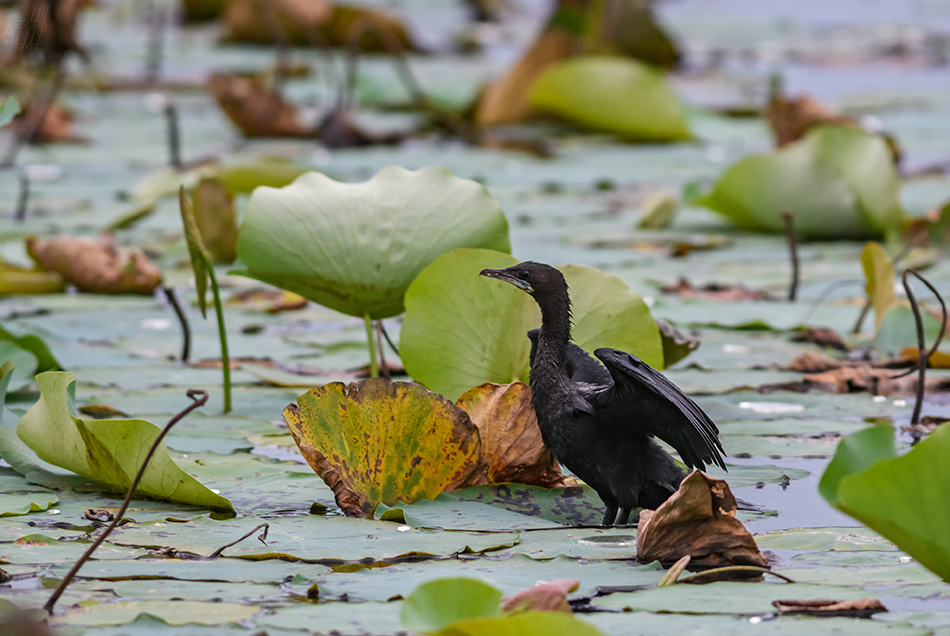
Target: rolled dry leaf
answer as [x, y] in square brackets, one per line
[97, 267]
[860, 608]
[544, 596]
[56, 126]
[792, 118]
[821, 337]
[511, 439]
[699, 521]
[256, 109]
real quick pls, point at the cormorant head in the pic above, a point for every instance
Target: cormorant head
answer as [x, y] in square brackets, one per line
[537, 279]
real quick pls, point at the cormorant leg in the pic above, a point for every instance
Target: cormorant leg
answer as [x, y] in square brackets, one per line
[610, 516]
[624, 517]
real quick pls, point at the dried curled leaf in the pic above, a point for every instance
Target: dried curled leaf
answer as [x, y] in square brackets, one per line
[511, 439]
[699, 521]
[860, 608]
[375, 441]
[96, 267]
[47, 124]
[256, 109]
[821, 337]
[543, 596]
[792, 118]
[713, 291]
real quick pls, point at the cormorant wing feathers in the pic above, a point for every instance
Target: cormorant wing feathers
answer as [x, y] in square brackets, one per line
[676, 419]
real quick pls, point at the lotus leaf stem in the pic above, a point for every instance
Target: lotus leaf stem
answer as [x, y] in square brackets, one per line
[264, 527]
[23, 197]
[923, 353]
[182, 320]
[733, 568]
[789, 219]
[174, 135]
[383, 367]
[371, 341]
[222, 334]
[199, 398]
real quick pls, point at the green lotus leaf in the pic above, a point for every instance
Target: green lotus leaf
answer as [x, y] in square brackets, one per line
[35, 345]
[613, 94]
[109, 452]
[23, 360]
[523, 624]
[462, 330]
[903, 498]
[9, 110]
[838, 182]
[356, 247]
[436, 604]
[376, 441]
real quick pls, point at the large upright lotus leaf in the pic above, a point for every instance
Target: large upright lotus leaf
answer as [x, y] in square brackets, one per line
[376, 441]
[838, 182]
[35, 345]
[109, 452]
[905, 498]
[356, 247]
[462, 330]
[439, 603]
[614, 94]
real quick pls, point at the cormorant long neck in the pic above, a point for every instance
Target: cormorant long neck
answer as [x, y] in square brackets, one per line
[551, 357]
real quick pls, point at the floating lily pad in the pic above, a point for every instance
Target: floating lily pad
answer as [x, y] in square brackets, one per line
[838, 182]
[171, 612]
[614, 94]
[462, 330]
[376, 441]
[438, 603]
[109, 452]
[900, 497]
[356, 247]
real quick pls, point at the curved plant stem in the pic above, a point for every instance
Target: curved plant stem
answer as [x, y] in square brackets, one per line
[262, 538]
[674, 572]
[383, 366]
[733, 568]
[174, 135]
[389, 341]
[371, 341]
[199, 398]
[23, 197]
[222, 334]
[923, 353]
[182, 320]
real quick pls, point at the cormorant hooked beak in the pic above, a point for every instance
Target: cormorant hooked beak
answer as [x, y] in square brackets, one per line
[508, 277]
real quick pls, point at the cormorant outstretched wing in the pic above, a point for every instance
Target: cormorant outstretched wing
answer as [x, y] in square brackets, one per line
[659, 408]
[583, 366]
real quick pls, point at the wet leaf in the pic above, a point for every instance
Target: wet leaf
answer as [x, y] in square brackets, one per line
[356, 247]
[523, 624]
[510, 438]
[697, 520]
[96, 267]
[175, 612]
[548, 596]
[462, 330]
[375, 441]
[214, 214]
[838, 182]
[612, 94]
[439, 603]
[900, 497]
[35, 345]
[879, 273]
[109, 452]
[859, 608]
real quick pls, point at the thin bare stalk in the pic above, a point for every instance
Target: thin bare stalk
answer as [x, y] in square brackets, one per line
[383, 367]
[923, 353]
[268, 15]
[261, 538]
[733, 568]
[156, 41]
[789, 219]
[674, 572]
[174, 135]
[371, 341]
[182, 320]
[23, 197]
[222, 333]
[199, 398]
[389, 341]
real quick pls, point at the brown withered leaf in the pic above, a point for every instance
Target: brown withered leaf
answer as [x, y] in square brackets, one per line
[56, 126]
[376, 441]
[792, 118]
[97, 267]
[713, 291]
[821, 337]
[511, 439]
[272, 301]
[877, 381]
[315, 23]
[213, 206]
[98, 514]
[255, 108]
[815, 363]
[101, 411]
[543, 596]
[699, 521]
[860, 608]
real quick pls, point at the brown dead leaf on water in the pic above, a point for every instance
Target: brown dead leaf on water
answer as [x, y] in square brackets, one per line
[697, 520]
[713, 291]
[821, 337]
[877, 381]
[860, 608]
[255, 108]
[98, 267]
[511, 438]
[544, 596]
[792, 118]
[56, 126]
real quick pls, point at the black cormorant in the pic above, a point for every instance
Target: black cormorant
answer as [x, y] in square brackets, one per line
[600, 420]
